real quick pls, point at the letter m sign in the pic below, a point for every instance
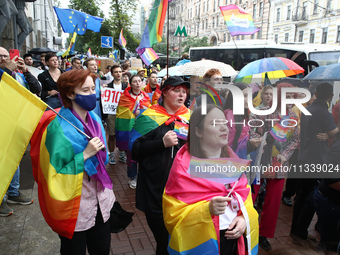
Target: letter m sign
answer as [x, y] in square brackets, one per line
[181, 31]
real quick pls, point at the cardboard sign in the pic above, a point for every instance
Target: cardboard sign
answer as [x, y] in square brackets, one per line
[110, 98]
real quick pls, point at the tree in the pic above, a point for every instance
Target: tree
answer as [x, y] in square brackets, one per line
[194, 42]
[161, 47]
[121, 17]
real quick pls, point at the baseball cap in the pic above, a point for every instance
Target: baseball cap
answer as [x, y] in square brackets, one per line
[175, 81]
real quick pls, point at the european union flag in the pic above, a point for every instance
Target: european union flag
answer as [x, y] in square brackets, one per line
[69, 19]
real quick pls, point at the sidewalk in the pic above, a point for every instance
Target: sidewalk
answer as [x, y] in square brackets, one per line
[26, 232]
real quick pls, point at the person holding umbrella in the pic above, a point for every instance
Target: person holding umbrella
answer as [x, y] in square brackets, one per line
[154, 144]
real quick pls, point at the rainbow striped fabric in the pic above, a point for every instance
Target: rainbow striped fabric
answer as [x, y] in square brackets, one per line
[193, 230]
[181, 130]
[239, 22]
[148, 55]
[122, 40]
[154, 117]
[154, 27]
[282, 132]
[89, 53]
[125, 117]
[58, 167]
[221, 170]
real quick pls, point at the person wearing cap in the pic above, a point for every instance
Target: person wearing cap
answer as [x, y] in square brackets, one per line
[154, 145]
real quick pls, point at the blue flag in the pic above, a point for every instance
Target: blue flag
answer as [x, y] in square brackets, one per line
[69, 19]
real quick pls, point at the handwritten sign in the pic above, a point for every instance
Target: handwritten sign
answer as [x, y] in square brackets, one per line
[110, 98]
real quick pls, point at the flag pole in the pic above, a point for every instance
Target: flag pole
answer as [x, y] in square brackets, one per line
[167, 44]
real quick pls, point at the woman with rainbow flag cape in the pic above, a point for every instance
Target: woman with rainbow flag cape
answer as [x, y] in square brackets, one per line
[281, 141]
[75, 191]
[209, 215]
[238, 138]
[154, 142]
[131, 103]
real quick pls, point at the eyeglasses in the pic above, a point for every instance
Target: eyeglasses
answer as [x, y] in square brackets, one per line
[4, 56]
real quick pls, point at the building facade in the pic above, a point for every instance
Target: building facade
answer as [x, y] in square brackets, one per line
[43, 21]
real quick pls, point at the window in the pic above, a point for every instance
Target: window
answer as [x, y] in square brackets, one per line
[242, 37]
[278, 13]
[204, 7]
[225, 37]
[276, 38]
[217, 20]
[304, 10]
[213, 23]
[289, 11]
[286, 37]
[300, 36]
[203, 25]
[312, 36]
[324, 35]
[188, 14]
[329, 5]
[259, 34]
[252, 36]
[254, 11]
[207, 5]
[206, 24]
[338, 35]
[229, 37]
[261, 9]
[316, 4]
[214, 5]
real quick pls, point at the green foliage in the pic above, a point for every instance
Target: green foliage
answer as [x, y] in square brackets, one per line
[161, 47]
[110, 26]
[194, 42]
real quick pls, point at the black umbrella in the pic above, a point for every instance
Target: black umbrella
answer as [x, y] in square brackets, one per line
[41, 50]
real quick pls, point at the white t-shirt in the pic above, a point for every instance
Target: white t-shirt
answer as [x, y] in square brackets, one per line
[119, 86]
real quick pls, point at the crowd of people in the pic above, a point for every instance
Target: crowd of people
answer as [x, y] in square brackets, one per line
[185, 214]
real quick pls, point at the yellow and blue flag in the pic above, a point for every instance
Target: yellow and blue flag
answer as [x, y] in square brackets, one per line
[70, 48]
[69, 19]
[20, 112]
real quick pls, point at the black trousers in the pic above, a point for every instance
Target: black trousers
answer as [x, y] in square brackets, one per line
[303, 210]
[291, 184]
[227, 246]
[159, 231]
[97, 240]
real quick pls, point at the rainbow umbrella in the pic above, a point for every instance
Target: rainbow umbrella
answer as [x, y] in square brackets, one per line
[273, 68]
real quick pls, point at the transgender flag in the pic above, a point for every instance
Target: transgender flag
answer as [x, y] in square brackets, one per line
[239, 22]
[122, 40]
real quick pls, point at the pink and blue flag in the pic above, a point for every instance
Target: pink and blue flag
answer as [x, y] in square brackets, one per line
[239, 22]
[122, 40]
[148, 55]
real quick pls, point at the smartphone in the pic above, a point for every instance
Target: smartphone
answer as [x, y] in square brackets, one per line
[13, 53]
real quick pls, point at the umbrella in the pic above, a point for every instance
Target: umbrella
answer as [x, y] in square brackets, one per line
[173, 71]
[273, 68]
[41, 50]
[200, 67]
[325, 73]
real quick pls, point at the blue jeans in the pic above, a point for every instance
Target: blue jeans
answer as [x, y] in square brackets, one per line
[329, 217]
[13, 188]
[131, 166]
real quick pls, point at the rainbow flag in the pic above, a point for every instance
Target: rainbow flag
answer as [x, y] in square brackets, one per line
[122, 40]
[154, 27]
[282, 133]
[70, 48]
[222, 170]
[181, 129]
[89, 53]
[156, 96]
[192, 229]
[239, 22]
[152, 118]
[20, 112]
[148, 55]
[58, 165]
[126, 116]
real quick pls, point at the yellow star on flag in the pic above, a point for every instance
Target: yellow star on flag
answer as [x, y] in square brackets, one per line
[72, 12]
[70, 17]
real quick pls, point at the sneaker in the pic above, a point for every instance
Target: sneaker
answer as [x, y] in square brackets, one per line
[287, 201]
[133, 183]
[5, 210]
[122, 158]
[20, 200]
[112, 159]
[264, 244]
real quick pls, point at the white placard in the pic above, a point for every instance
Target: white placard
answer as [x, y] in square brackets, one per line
[110, 98]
